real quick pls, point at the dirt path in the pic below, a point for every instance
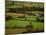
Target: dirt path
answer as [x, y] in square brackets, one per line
[9, 31]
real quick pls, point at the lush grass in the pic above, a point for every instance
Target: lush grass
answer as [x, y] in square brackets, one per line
[38, 25]
[31, 18]
[20, 23]
[12, 23]
[35, 12]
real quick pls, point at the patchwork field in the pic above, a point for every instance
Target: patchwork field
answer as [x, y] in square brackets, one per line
[21, 23]
[18, 23]
[24, 17]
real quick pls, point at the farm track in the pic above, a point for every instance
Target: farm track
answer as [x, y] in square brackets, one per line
[20, 14]
[15, 14]
[10, 31]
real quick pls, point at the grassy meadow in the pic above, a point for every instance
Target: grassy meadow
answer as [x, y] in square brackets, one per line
[18, 18]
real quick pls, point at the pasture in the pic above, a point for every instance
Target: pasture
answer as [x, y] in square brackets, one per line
[24, 17]
[17, 25]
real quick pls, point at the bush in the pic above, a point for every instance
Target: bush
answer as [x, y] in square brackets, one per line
[8, 18]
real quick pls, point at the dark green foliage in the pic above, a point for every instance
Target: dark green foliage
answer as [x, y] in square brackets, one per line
[40, 18]
[37, 9]
[8, 18]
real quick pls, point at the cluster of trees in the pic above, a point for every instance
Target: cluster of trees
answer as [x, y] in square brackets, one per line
[37, 8]
[25, 9]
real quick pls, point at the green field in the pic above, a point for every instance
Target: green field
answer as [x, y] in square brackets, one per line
[21, 17]
[20, 22]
